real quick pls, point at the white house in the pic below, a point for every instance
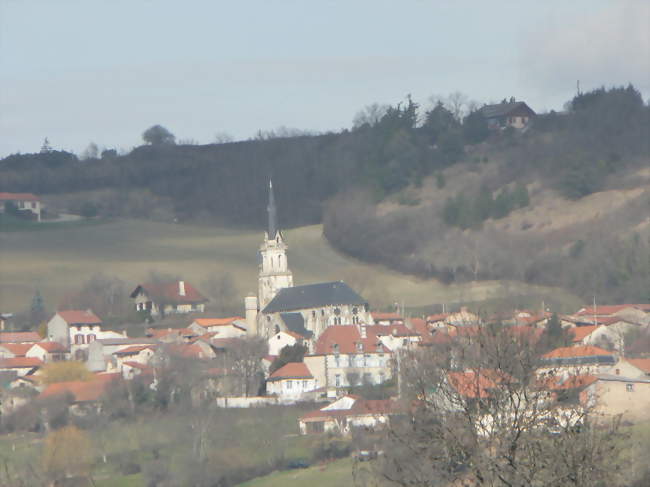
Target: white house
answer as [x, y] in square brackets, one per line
[346, 413]
[22, 202]
[232, 327]
[48, 352]
[283, 339]
[160, 299]
[21, 365]
[292, 382]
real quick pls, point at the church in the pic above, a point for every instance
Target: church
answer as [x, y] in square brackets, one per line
[306, 310]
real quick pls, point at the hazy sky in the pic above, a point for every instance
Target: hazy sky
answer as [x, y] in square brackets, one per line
[105, 70]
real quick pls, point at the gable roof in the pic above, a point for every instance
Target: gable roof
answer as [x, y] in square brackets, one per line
[169, 292]
[20, 362]
[359, 407]
[313, 296]
[379, 316]
[134, 349]
[640, 363]
[19, 337]
[50, 347]
[81, 391]
[581, 332]
[207, 322]
[582, 351]
[18, 197]
[346, 337]
[76, 316]
[504, 109]
[18, 349]
[296, 324]
[292, 370]
[606, 310]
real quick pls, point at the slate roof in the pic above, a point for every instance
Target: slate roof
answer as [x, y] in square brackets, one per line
[313, 296]
[503, 109]
[296, 324]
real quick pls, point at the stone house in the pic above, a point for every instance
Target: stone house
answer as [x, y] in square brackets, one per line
[161, 299]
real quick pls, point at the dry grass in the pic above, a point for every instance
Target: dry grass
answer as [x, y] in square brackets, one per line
[57, 261]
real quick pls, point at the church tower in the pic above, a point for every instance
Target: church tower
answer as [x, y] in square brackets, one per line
[274, 268]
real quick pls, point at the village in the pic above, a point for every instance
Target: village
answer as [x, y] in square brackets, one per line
[322, 344]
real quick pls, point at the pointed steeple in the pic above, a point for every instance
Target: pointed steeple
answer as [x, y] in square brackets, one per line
[273, 223]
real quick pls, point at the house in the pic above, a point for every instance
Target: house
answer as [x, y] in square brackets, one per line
[164, 298]
[141, 354]
[395, 336]
[76, 329]
[19, 337]
[23, 202]
[632, 313]
[292, 382]
[48, 352]
[347, 413]
[172, 335]
[643, 364]
[283, 339]
[348, 355]
[232, 327]
[21, 365]
[387, 318]
[614, 395]
[81, 393]
[512, 113]
[100, 352]
[577, 360]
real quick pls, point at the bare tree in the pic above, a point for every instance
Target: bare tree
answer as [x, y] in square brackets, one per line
[479, 414]
[244, 361]
[370, 115]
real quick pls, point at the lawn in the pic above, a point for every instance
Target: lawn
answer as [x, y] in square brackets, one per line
[60, 257]
[334, 474]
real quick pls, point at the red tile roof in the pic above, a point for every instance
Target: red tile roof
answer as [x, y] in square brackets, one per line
[188, 350]
[83, 317]
[437, 317]
[581, 351]
[394, 330]
[572, 382]
[18, 349]
[292, 370]
[346, 337]
[19, 197]
[81, 391]
[640, 363]
[50, 347]
[476, 384]
[20, 362]
[581, 332]
[607, 310]
[168, 292]
[377, 316]
[206, 322]
[19, 337]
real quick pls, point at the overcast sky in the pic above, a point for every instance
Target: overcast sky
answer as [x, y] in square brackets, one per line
[105, 70]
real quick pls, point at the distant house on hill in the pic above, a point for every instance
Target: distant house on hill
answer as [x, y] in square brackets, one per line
[23, 202]
[176, 297]
[511, 113]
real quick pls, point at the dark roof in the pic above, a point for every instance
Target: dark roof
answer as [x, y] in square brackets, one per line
[296, 323]
[503, 109]
[313, 296]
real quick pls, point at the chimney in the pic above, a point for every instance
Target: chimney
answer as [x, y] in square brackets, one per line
[181, 288]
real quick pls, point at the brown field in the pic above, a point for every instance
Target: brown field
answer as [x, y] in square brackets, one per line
[57, 260]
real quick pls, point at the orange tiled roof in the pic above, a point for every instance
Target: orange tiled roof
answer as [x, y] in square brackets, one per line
[346, 337]
[580, 332]
[18, 197]
[169, 292]
[581, 351]
[206, 322]
[385, 316]
[18, 349]
[81, 391]
[76, 316]
[292, 370]
[437, 317]
[133, 349]
[360, 407]
[50, 347]
[476, 384]
[640, 363]
[606, 310]
[19, 337]
[20, 362]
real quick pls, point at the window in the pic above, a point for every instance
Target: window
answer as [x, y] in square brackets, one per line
[277, 329]
[405, 342]
[79, 339]
[382, 377]
[322, 312]
[313, 313]
[359, 347]
[305, 385]
[335, 347]
[337, 361]
[337, 380]
[366, 358]
[289, 384]
[91, 338]
[629, 387]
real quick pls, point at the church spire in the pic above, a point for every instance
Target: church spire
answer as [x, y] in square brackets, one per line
[272, 213]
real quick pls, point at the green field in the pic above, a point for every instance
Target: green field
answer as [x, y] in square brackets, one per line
[334, 474]
[58, 259]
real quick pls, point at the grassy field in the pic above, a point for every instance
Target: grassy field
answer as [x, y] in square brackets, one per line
[334, 474]
[57, 259]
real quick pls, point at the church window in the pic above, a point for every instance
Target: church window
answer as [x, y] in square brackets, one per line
[337, 311]
[322, 312]
[313, 313]
[277, 329]
[279, 261]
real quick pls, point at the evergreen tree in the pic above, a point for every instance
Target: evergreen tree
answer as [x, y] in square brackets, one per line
[290, 353]
[37, 309]
[521, 196]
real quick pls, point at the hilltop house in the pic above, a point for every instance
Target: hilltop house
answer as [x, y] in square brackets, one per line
[512, 113]
[161, 299]
[23, 202]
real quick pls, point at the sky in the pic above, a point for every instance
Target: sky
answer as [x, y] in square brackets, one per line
[103, 71]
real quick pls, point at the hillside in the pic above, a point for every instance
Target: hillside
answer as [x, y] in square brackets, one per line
[58, 261]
